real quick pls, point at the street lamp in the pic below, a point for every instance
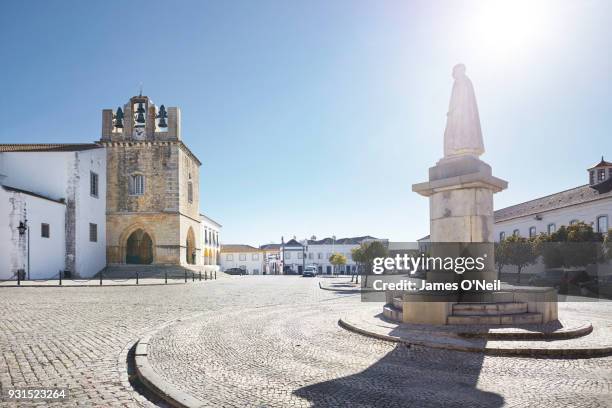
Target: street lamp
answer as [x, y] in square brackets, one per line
[22, 227]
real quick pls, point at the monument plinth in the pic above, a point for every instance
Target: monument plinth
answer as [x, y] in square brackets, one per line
[460, 191]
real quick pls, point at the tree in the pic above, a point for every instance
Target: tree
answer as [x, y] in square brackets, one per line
[357, 256]
[366, 253]
[576, 245]
[337, 259]
[521, 252]
[501, 255]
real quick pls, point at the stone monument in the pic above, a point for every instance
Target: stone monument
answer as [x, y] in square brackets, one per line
[460, 191]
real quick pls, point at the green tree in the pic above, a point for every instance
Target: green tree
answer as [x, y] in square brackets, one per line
[501, 255]
[365, 254]
[336, 260]
[573, 246]
[521, 252]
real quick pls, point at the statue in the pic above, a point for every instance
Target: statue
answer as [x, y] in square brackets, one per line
[463, 135]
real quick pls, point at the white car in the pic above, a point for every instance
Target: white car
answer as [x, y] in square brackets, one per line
[310, 271]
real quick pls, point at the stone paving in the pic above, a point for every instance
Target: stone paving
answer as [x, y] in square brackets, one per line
[260, 341]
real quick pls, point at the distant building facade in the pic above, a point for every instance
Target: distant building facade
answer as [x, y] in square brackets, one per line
[245, 257]
[211, 231]
[590, 203]
[319, 251]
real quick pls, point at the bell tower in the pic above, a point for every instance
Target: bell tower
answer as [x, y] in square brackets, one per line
[152, 186]
[140, 119]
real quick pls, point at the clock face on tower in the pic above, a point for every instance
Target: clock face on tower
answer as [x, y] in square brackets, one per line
[139, 133]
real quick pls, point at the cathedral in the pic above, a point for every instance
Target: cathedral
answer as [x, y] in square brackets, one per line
[130, 198]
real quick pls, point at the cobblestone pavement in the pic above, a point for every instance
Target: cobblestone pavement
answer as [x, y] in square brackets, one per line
[259, 341]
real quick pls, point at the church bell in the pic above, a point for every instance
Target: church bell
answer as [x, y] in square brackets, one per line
[140, 113]
[162, 115]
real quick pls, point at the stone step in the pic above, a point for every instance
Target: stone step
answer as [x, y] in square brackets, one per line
[488, 309]
[154, 271]
[398, 302]
[393, 313]
[512, 319]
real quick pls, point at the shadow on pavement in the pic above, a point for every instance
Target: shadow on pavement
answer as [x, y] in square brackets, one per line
[408, 377]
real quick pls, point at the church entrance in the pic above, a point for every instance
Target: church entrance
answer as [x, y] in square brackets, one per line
[191, 250]
[139, 248]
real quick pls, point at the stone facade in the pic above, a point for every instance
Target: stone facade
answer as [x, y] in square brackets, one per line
[153, 186]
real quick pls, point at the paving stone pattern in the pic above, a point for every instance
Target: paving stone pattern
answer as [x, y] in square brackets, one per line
[259, 341]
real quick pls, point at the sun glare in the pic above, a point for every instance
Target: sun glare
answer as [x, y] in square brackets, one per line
[509, 27]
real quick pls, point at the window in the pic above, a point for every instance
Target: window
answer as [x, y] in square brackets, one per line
[229, 257]
[551, 228]
[310, 255]
[136, 186]
[319, 255]
[300, 255]
[601, 175]
[602, 224]
[532, 232]
[502, 236]
[45, 231]
[93, 232]
[255, 257]
[287, 255]
[516, 232]
[592, 177]
[242, 257]
[93, 184]
[190, 192]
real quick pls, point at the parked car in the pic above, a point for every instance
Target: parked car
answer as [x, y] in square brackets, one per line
[235, 271]
[310, 271]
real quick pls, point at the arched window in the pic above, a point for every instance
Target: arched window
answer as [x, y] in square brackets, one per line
[502, 236]
[136, 184]
[552, 228]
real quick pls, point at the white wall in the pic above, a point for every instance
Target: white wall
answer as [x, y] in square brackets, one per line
[46, 255]
[90, 256]
[212, 246]
[587, 212]
[65, 175]
[253, 266]
[326, 250]
[39, 172]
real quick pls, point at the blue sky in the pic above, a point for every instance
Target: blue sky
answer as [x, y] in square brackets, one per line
[316, 117]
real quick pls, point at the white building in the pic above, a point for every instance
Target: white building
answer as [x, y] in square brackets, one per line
[210, 231]
[318, 253]
[245, 257]
[60, 189]
[590, 203]
[292, 255]
[272, 259]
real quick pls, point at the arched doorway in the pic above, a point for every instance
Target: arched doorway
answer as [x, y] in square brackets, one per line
[139, 248]
[191, 249]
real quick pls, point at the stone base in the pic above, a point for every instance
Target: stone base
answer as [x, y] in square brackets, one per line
[537, 305]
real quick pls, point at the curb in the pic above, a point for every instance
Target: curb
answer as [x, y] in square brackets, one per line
[113, 285]
[357, 290]
[153, 381]
[602, 351]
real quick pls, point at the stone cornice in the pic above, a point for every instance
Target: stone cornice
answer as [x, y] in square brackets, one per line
[128, 143]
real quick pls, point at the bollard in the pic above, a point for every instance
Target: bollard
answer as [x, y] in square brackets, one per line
[137, 278]
[166, 277]
[18, 278]
[215, 275]
[200, 275]
[193, 276]
[100, 278]
[60, 278]
[185, 276]
[205, 275]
